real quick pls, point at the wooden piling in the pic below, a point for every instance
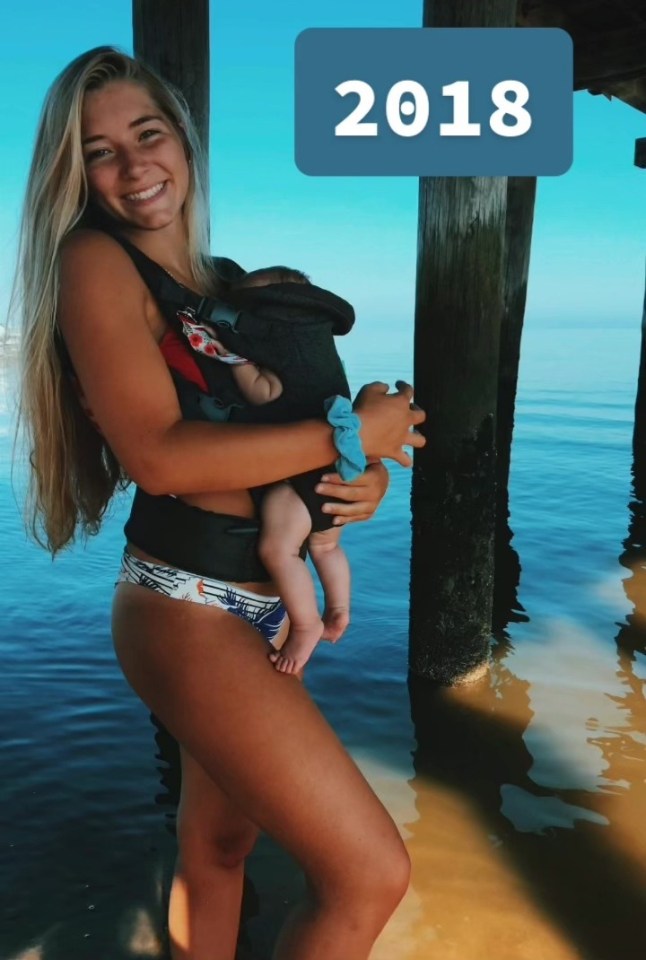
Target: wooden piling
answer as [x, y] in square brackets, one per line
[173, 38]
[459, 306]
[639, 431]
[521, 195]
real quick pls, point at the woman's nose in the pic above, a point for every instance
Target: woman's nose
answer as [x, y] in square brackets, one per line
[132, 163]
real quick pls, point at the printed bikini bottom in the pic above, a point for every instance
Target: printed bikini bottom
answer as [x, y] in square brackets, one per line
[266, 614]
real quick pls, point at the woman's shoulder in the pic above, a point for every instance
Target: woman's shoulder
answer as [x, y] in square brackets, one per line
[97, 275]
[85, 246]
[94, 262]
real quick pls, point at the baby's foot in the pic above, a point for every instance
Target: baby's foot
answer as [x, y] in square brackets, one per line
[297, 649]
[335, 621]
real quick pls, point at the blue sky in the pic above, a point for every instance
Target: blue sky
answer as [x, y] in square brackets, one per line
[355, 235]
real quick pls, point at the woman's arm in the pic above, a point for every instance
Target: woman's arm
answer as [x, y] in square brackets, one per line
[127, 384]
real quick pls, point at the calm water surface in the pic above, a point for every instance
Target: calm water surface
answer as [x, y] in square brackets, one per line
[522, 798]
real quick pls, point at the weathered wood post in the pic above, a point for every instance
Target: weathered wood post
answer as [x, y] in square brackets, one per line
[173, 38]
[521, 194]
[639, 432]
[459, 306]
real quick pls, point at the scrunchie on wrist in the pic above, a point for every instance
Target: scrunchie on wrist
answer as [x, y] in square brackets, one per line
[346, 425]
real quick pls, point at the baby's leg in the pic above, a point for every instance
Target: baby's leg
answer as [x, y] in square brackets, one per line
[334, 572]
[285, 526]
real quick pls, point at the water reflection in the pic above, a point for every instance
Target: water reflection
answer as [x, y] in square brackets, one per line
[529, 843]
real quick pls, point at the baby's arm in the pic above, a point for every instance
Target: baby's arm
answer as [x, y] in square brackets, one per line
[257, 384]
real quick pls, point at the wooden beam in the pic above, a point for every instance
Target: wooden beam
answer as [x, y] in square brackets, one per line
[609, 56]
[631, 92]
[173, 38]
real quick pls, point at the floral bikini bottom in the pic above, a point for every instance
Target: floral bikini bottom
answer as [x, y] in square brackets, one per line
[266, 614]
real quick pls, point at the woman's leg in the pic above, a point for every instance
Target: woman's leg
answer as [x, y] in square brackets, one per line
[213, 839]
[260, 738]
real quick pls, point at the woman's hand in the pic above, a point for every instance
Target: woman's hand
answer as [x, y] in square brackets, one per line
[361, 497]
[388, 421]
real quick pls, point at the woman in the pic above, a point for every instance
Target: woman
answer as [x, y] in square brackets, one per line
[115, 190]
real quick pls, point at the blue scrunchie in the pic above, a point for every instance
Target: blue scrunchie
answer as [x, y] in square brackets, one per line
[340, 415]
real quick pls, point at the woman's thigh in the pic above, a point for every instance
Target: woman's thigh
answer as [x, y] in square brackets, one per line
[254, 731]
[211, 830]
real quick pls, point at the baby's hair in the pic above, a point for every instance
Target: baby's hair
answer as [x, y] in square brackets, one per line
[267, 275]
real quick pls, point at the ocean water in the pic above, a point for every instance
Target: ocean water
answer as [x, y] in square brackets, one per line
[521, 798]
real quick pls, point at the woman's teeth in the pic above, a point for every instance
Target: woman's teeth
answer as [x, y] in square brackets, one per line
[146, 194]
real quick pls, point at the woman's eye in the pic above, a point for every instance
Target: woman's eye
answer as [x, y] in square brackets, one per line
[101, 152]
[95, 154]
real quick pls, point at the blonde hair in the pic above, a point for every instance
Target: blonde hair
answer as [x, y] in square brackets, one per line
[73, 472]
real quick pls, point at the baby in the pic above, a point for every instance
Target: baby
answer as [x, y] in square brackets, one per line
[290, 515]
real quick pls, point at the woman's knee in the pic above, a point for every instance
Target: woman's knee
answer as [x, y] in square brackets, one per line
[387, 876]
[204, 848]
[211, 831]
[371, 886]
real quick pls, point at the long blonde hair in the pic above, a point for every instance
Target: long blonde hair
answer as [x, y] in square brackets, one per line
[73, 472]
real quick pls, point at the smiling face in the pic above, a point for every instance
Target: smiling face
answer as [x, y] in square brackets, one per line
[135, 160]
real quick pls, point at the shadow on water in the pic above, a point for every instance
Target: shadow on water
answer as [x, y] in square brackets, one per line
[592, 892]
[586, 876]
[92, 918]
[120, 912]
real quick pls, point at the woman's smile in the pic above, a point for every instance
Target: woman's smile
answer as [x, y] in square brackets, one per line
[148, 195]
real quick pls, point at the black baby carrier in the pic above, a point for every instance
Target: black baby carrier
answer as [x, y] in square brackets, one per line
[288, 328]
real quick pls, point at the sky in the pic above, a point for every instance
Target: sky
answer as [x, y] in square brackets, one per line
[355, 235]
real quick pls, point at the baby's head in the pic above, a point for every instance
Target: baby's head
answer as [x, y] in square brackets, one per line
[267, 275]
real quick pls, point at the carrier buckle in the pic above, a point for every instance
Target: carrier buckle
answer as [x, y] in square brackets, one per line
[218, 313]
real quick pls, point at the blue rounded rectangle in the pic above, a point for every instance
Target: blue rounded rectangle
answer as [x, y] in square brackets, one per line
[433, 102]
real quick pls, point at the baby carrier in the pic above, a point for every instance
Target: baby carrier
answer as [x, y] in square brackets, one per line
[287, 327]
[276, 326]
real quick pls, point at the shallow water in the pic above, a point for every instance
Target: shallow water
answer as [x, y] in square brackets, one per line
[521, 798]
